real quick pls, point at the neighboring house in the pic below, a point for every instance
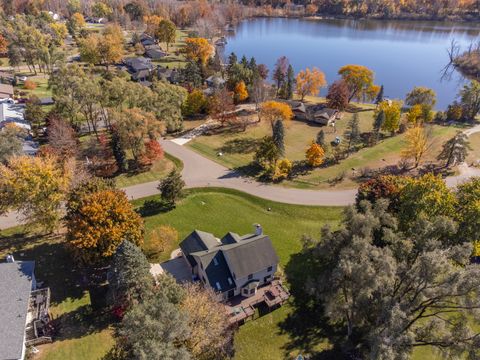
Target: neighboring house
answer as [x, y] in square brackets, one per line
[318, 113]
[139, 67]
[147, 40]
[47, 101]
[215, 82]
[323, 115]
[6, 91]
[24, 315]
[231, 266]
[154, 52]
[11, 113]
[170, 75]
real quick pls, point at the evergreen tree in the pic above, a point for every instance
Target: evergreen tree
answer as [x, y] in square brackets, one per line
[321, 138]
[155, 329]
[171, 187]
[378, 123]
[379, 98]
[352, 134]
[129, 277]
[192, 74]
[232, 60]
[287, 91]
[244, 61]
[279, 136]
[455, 150]
[118, 152]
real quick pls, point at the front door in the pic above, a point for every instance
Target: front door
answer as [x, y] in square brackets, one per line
[231, 293]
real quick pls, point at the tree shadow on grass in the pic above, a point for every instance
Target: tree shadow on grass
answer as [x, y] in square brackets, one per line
[306, 325]
[240, 146]
[154, 207]
[81, 322]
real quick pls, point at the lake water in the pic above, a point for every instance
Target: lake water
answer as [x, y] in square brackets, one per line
[403, 54]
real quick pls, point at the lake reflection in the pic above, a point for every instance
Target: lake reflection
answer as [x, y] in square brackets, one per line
[402, 53]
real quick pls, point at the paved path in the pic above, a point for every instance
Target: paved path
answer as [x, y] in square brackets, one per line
[199, 171]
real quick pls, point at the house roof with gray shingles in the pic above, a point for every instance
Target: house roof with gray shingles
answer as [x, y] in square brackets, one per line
[6, 91]
[16, 285]
[233, 257]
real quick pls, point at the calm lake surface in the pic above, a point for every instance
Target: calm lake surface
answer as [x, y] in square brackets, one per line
[403, 54]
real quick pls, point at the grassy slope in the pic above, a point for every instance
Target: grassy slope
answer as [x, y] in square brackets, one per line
[238, 148]
[159, 170]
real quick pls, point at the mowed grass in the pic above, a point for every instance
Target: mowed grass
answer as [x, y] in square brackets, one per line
[81, 333]
[237, 149]
[222, 210]
[41, 90]
[158, 171]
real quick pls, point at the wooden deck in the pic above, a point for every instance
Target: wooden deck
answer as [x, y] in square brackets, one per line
[241, 308]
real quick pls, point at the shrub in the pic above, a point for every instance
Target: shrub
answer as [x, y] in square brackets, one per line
[29, 85]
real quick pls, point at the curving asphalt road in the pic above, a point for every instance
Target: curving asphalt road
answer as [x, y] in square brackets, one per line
[199, 171]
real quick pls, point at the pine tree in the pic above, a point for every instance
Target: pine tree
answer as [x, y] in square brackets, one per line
[192, 74]
[279, 136]
[321, 138]
[379, 98]
[455, 150]
[244, 61]
[232, 59]
[171, 187]
[352, 134]
[378, 123]
[287, 91]
[129, 277]
[118, 152]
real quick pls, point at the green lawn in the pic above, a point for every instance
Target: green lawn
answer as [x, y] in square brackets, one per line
[82, 334]
[41, 90]
[238, 148]
[159, 170]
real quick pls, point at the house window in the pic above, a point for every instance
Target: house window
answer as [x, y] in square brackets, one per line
[217, 284]
[270, 268]
[215, 261]
[250, 277]
[252, 291]
[230, 281]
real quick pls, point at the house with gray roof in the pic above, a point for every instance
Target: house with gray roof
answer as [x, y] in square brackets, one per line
[24, 309]
[233, 265]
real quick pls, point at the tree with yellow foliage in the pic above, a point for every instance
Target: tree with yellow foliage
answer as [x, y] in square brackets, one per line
[211, 333]
[166, 32]
[273, 110]
[282, 169]
[393, 112]
[35, 187]
[60, 32]
[240, 92]
[160, 239]
[415, 114]
[416, 145]
[152, 22]
[359, 80]
[75, 23]
[198, 49]
[3, 44]
[102, 221]
[105, 49]
[309, 82]
[315, 154]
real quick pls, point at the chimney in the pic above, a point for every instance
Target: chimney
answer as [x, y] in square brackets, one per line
[10, 259]
[258, 229]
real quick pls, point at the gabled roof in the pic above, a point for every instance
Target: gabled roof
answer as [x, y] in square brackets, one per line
[216, 268]
[6, 91]
[136, 64]
[233, 257]
[250, 255]
[154, 53]
[197, 241]
[16, 280]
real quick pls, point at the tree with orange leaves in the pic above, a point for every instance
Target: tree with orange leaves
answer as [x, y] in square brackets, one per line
[315, 154]
[240, 92]
[309, 82]
[102, 221]
[198, 49]
[273, 110]
[3, 44]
